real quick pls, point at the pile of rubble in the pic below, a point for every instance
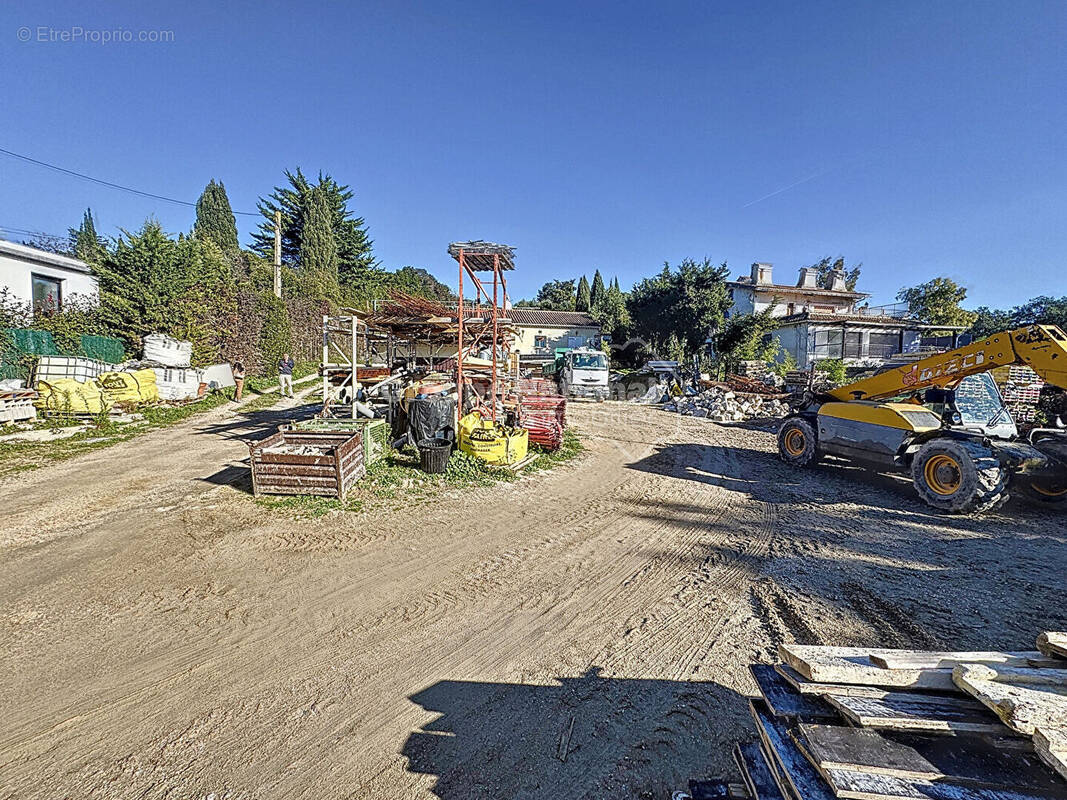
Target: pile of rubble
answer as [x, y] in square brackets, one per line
[721, 404]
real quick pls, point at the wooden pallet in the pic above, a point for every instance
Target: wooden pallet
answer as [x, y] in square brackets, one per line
[876, 724]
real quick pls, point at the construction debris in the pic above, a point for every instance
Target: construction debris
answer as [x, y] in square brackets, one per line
[167, 351]
[16, 403]
[721, 404]
[837, 722]
[480, 255]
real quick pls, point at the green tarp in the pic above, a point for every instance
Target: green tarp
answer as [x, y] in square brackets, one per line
[28, 342]
[33, 342]
[104, 348]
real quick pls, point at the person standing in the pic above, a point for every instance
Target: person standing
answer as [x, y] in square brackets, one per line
[238, 380]
[285, 375]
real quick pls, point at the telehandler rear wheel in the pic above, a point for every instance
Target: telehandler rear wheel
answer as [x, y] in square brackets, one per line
[797, 444]
[959, 476]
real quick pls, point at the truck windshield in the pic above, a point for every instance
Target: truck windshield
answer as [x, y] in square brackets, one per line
[589, 361]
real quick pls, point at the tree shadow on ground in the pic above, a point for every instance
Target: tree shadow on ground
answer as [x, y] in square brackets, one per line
[250, 427]
[587, 736]
[255, 425]
[862, 543]
[764, 477]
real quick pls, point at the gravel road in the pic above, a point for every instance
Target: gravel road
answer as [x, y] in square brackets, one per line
[580, 633]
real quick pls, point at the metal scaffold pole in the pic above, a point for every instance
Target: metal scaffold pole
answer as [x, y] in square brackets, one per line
[459, 349]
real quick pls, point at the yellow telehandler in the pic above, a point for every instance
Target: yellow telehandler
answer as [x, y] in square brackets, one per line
[905, 419]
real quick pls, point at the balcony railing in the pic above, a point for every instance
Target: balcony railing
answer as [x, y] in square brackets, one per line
[895, 310]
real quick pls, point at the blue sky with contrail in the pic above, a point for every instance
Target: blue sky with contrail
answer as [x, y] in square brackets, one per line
[613, 135]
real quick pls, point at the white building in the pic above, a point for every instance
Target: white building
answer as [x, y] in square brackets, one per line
[43, 279]
[541, 331]
[817, 322]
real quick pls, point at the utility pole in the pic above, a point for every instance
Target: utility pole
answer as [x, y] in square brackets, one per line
[277, 253]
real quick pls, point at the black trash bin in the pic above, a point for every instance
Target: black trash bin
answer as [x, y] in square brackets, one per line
[433, 455]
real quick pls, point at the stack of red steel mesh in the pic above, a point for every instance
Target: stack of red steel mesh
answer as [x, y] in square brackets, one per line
[542, 387]
[545, 417]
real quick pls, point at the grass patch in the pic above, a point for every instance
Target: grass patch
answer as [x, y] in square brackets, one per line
[571, 448]
[395, 480]
[16, 457]
[103, 431]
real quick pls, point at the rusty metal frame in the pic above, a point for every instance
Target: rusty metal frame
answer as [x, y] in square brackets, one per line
[500, 294]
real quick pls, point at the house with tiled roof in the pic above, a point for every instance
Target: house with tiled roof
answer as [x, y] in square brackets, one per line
[818, 321]
[540, 331]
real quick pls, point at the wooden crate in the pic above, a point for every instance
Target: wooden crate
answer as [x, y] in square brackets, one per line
[375, 432]
[330, 473]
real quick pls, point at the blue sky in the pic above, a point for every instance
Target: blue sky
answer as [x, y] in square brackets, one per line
[919, 138]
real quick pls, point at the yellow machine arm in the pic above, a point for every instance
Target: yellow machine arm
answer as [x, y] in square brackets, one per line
[1041, 347]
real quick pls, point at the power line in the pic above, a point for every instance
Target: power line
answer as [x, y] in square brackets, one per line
[27, 232]
[111, 185]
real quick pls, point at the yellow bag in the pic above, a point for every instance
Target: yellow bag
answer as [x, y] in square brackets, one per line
[484, 439]
[129, 387]
[68, 396]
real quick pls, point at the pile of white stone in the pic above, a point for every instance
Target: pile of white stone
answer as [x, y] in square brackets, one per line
[723, 405]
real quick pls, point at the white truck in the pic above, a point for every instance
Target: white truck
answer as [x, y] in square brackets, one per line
[582, 372]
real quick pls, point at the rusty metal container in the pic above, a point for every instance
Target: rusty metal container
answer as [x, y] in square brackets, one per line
[322, 463]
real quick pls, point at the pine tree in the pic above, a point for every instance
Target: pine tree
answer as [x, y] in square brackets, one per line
[355, 255]
[598, 293]
[215, 219]
[84, 241]
[582, 301]
[615, 285]
[318, 247]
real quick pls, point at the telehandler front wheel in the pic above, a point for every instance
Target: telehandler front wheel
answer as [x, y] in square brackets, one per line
[959, 476]
[797, 444]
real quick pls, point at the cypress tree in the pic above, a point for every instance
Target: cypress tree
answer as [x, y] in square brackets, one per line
[582, 301]
[598, 293]
[215, 219]
[318, 247]
[85, 242]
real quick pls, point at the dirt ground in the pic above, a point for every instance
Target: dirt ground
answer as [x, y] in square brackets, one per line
[163, 636]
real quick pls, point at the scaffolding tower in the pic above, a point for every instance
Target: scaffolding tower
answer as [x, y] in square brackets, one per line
[481, 257]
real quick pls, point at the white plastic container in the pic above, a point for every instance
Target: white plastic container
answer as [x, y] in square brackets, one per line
[162, 349]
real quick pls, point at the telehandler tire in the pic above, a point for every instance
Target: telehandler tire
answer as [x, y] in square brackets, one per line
[959, 476]
[1045, 492]
[797, 444]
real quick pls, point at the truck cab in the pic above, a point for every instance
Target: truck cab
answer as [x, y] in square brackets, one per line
[582, 372]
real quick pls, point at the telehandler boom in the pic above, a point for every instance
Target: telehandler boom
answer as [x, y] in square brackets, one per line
[881, 422]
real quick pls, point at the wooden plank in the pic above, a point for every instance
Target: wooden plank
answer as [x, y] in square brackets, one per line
[1037, 676]
[850, 785]
[756, 772]
[970, 760]
[809, 687]
[785, 701]
[1022, 707]
[923, 659]
[853, 665]
[794, 773]
[908, 711]
[1053, 643]
[1051, 746]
